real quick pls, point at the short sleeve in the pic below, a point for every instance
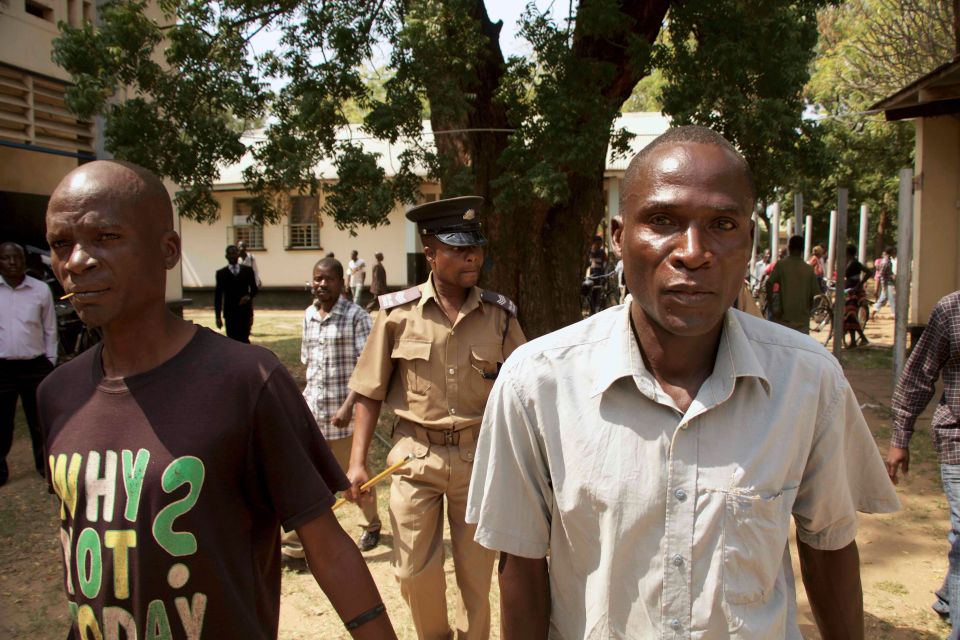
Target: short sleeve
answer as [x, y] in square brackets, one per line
[296, 472]
[371, 377]
[511, 495]
[514, 337]
[844, 474]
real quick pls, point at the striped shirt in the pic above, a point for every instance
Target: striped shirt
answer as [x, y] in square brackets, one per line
[937, 351]
[330, 348]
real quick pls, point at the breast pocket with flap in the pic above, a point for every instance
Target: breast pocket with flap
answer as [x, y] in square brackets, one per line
[413, 360]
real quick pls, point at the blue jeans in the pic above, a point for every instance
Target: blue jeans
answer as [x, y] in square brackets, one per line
[888, 294]
[949, 592]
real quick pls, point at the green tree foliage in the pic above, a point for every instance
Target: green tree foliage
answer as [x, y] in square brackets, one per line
[867, 50]
[531, 135]
[740, 68]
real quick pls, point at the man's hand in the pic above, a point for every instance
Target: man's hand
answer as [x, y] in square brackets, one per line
[244, 300]
[524, 597]
[219, 323]
[341, 419]
[897, 458]
[357, 476]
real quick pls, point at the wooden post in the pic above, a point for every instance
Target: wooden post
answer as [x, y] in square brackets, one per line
[775, 232]
[904, 264]
[839, 243]
[864, 221]
[808, 238]
[831, 245]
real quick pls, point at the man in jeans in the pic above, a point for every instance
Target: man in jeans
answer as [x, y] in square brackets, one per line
[933, 355]
[886, 281]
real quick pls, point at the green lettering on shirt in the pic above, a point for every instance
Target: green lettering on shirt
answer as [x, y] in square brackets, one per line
[89, 563]
[65, 481]
[186, 470]
[117, 619]
[133, 472]
[121, 542]
[158, 626]
[192, 616]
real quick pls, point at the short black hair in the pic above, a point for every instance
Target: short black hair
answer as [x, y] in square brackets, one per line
[795, 244]
[851, 250]
[330, 263]
[891, 250]
[687, 133]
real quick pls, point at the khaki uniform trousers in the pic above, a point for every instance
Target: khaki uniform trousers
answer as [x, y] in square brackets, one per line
[416, 513]
[289, 541]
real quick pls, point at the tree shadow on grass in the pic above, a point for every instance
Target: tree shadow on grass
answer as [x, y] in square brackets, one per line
[880, 629]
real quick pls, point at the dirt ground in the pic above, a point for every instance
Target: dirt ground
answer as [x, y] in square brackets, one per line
[903, 555]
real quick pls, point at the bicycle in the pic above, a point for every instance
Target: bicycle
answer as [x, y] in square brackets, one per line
[822, 314]
[598, 293]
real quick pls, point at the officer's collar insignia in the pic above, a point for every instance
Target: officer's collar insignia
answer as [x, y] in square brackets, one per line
[470, 214]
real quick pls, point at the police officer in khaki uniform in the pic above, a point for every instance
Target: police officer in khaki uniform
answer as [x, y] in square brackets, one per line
[433, 355]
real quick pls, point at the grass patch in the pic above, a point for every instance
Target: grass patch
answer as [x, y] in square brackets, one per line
[869, 357]
[890, 586]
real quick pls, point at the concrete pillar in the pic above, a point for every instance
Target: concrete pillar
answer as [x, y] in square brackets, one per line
[837, 265]
[808, 237]
[904, 263]
[831, 245]
[613, 204]
[864, 220]
[756, 245]
[798, 213]
[775, 231]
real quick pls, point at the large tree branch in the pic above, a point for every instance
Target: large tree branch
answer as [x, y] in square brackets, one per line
[647, 17]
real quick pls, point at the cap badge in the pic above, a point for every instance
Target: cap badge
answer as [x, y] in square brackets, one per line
[470, 214]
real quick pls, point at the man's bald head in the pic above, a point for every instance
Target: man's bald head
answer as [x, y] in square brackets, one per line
[14, 247]
[116, 184]
[687, 134]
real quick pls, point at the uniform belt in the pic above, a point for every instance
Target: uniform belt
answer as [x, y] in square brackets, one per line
[436, 436]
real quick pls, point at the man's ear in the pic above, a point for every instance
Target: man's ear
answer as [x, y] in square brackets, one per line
[616, 235]
[170, 245]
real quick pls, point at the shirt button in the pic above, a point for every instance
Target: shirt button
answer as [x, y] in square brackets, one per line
[675, 625]
[453, 411]
[680, 494]
[451, 370]
[678, 560]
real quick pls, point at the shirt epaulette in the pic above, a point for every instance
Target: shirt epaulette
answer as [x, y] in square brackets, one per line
[501, 301]
[395, 299]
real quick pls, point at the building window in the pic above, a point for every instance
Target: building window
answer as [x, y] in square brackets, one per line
[39, 9]
[303, 228]
[242, 230]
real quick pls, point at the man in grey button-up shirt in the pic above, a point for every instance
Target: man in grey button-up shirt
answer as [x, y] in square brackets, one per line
[658, 450]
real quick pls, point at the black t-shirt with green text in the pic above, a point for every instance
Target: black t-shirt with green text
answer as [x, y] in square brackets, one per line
[173, 485]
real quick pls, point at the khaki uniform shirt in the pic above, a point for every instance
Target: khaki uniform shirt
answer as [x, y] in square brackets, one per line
[669, 524]
[430, 371]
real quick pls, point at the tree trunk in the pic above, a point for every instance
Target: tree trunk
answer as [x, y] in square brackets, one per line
[536, 252]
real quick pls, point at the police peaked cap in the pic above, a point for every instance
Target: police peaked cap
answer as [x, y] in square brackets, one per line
[455, 221]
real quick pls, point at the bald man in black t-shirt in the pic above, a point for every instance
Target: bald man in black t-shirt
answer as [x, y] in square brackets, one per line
[177, 453]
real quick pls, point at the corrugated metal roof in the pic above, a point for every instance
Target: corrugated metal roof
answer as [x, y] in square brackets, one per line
[645, 127]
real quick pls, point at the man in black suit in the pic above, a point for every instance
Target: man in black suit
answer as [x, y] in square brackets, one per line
[236, 287]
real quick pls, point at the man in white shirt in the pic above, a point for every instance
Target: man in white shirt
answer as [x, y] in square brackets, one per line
[356, 273]
[247, 260]
[658, 449]
[28, 349]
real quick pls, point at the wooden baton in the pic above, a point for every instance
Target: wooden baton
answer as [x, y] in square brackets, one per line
[375, 479]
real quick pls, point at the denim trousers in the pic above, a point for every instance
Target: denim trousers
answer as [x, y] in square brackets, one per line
[949, 592]
[888, 295]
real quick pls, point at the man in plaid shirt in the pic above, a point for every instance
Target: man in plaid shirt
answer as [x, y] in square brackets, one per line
[334, 333]
[937, 351]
